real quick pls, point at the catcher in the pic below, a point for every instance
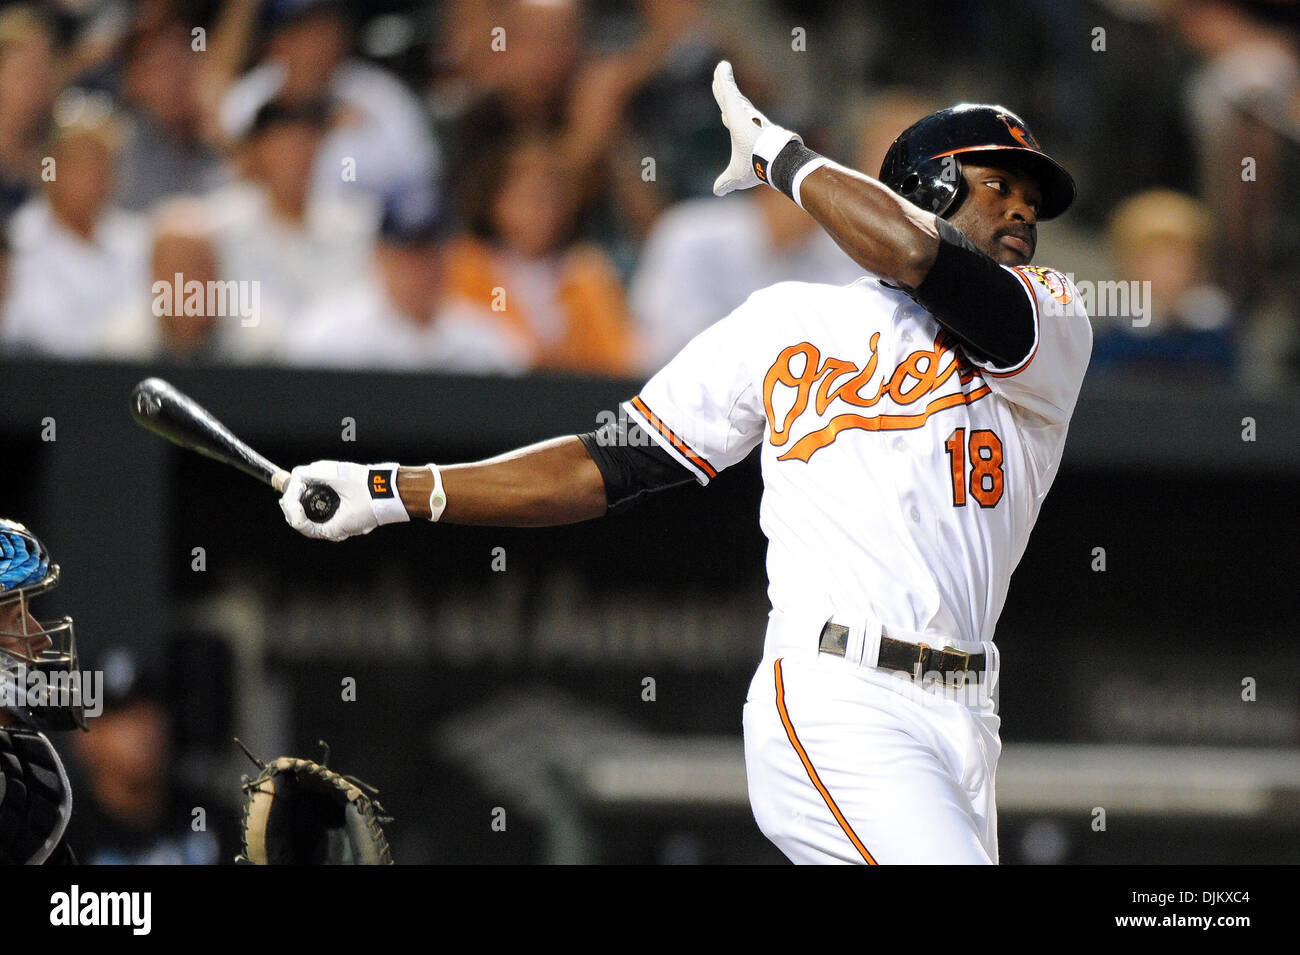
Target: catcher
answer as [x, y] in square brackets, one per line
[35, 796]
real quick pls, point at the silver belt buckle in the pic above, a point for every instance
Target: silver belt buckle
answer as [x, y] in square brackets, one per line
[923, 655]
[965, 669]
[834, 639]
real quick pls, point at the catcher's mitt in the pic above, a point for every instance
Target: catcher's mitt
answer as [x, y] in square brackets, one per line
[298, 812]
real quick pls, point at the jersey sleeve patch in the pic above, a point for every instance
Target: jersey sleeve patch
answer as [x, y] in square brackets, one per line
[1057, 285]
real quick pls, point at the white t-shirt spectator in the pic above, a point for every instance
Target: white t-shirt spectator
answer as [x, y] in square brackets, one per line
[64, 289]
[383, 134]
[704, 257]
[293, 265]
[361, 328]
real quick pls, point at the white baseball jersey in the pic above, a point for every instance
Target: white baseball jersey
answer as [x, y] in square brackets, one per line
[900, 478]
[901, 481]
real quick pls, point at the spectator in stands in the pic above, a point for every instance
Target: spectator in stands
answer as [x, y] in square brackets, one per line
[394, 317]
[272, 228]
[521, 271]
[163, 154]
[1244, 102]
[658, 91]
[1243, 96]
[75, 256]
[1184, 334]
[704, 257]
[378, 138]
[652, 100]
[485, 97]
[132, 808]
[609, 111]
[527, 79]
[27, 87]
[183, 253]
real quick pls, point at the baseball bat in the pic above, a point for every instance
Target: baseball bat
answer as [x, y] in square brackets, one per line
[169, 412]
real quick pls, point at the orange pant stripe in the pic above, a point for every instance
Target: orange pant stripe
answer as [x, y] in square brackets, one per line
[811, 770]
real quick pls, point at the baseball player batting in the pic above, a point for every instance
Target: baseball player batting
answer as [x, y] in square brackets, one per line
[910, 425]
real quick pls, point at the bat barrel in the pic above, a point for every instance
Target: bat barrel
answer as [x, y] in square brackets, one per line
[166, 411]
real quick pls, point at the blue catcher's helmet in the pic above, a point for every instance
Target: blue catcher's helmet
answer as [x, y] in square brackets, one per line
[39, 680]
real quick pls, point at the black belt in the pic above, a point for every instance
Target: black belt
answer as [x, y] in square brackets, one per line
[918, 659]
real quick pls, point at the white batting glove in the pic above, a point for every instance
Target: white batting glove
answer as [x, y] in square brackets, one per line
[367, 498]
[755, 140]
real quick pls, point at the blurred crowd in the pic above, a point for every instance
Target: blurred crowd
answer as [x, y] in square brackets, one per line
[502, 186]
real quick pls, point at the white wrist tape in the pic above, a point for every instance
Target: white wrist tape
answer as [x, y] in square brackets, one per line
[385, 503]
[771, 141]
[802, 174]
[437, 497]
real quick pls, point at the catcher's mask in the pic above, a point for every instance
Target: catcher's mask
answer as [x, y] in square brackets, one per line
[39, 679]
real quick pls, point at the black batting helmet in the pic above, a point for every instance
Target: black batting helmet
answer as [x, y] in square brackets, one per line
[924, 166]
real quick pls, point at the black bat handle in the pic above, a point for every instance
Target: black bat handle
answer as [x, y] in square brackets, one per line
[319, 502]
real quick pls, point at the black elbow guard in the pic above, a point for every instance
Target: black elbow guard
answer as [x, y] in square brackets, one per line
[976, 299]
[631, 463]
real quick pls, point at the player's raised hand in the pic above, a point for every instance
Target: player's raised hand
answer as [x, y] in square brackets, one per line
[746, 125]
[367, 498]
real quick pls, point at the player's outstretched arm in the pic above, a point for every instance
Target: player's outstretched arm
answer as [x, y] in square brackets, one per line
[554, 482]
[876, 227]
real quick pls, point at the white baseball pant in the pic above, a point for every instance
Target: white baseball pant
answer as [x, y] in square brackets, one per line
[847, 763]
